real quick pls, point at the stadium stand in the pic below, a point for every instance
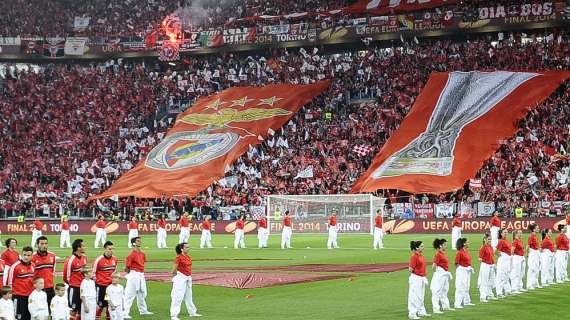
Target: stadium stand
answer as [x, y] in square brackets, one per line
[72, 130]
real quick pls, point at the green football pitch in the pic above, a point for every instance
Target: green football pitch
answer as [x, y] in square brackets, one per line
[362, 296]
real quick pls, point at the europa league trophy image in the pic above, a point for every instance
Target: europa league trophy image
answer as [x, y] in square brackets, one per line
[466, 97]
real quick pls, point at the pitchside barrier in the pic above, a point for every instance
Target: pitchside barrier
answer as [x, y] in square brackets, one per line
[306, 225]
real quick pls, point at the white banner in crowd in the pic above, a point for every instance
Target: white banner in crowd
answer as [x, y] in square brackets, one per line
[81, 23]
[306, 173]
[444, 210]
[466, 210]
[485, 209]
[75, 46]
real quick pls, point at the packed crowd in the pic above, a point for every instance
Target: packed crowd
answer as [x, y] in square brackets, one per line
[130, 18]
[67, 145]
[135, 18]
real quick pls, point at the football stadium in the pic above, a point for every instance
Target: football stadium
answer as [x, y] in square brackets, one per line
[284, 159]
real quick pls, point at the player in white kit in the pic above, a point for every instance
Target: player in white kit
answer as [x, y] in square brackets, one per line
[6, 303]
[59, 305]
[88, 295]
[37, 301]
[114, 297]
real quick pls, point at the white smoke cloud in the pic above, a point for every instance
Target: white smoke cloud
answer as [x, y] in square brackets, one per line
[196, 12]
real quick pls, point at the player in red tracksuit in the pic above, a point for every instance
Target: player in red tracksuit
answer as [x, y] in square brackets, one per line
[333, 231]
[287, 232]
[103, 268]
[262, 232]
[20, 279]
[44, 265]
[417, 282]
[36, 231]
[136, 282]
[495, 228]
[161, 232]
[239, 235]
[10, 255]
[378, 242]
[72, 275]
[184, 235]
[101, 233]
[64, 239]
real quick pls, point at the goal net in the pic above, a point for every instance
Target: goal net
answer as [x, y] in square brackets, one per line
[355, 212]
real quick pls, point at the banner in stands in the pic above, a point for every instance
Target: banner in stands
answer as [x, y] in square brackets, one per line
[444, 210]
[81, 23]
[477, 225]
[424, 210]
[88, 226]
[10, 45]
[320, 225]
[485, 209]
[208, 137]
[453, 127]
[75, 46]
[391, 6]
[376, 26]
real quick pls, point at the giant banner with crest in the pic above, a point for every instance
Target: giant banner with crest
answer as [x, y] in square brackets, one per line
[454, 127]
[209, 137]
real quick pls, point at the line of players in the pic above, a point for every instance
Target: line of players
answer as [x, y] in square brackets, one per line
[263, 232]
[29, 291]
[206, 227]
[502, 266]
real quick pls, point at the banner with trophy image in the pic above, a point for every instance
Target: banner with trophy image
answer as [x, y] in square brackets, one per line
[453, 127]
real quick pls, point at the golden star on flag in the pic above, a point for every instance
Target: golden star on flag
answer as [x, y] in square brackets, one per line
[214, 105]
[241, 102]
[269, 101]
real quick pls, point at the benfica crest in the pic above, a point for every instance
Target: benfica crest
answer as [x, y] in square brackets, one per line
[189, 149]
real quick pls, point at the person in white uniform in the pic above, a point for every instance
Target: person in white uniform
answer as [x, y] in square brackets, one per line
[561, 255]
[533, 258]
[133, 231]
[88, 295]
[114, 296]
[455, 230]
[463, 271]
[161, 232]
[333, 231]
[37, 301]
[59, 305]
[378, 242]
[417, 282]
[287, 232]
[239, 233]
[136, 282]
[184, 222]
[182, 283]
[6, 303]
[206, 238]
[64, 238]
[441, 277]
[262, 232]
[100, 233]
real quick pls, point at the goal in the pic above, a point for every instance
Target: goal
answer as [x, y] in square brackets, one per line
[355, 212]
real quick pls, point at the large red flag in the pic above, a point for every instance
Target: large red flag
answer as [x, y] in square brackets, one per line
[453, 127]
[209, 137]
[394, 6]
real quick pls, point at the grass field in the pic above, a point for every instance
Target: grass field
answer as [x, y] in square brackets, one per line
[367, 296]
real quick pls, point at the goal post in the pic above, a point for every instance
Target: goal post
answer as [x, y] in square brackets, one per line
[355, 212]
